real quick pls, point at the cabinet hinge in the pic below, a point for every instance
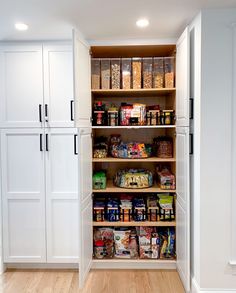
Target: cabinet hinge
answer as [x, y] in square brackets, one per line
[91, 120]
[91, 135]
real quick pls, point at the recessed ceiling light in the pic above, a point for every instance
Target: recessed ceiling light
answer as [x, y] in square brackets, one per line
[20, 26]
[143, 22]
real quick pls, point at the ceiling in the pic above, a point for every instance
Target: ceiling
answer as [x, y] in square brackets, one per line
[100, 20]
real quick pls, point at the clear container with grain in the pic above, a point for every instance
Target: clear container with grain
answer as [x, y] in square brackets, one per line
[169, 64]
[158, 72]
[95, 72]
[137, 72]
[126, 73]
[147, 73]
[115, 73]
[105, 73]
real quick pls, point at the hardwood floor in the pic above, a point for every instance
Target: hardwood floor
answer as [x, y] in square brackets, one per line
[99, 281]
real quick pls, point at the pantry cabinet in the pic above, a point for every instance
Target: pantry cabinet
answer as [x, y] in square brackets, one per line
[36, 84]
[58, 86]
[40, 195]
[169, 98]
[21, 86]
[23, 195]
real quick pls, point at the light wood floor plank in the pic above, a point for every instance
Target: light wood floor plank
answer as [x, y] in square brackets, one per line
[99, 281]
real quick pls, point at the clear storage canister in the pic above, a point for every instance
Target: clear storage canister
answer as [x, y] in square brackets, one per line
[105, 73]
[115, 73]
[137, 71]
[95, 71]
[169, 63]
[147, 73]
[126, 73]
[158, 72]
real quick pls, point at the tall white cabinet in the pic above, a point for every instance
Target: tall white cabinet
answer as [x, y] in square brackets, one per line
[39, 155]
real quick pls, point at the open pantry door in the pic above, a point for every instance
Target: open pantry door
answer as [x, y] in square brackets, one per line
[183, 205]
[85, 203]
[182, 79]
[82, 81]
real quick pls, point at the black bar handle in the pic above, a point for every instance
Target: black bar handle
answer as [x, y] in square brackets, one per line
[46, 112]
[41, 142]
[191, 143]
[75, 144]
[47, 142]
[40, 113]
[191, 108]
[71, 110]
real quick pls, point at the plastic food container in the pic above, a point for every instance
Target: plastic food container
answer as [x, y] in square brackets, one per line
[169, 63]
[115, 73]
[147, 73]
[95, 71]
[126, 73]
[99, 180]
[137, 72]
[105, 73]
[158, 72]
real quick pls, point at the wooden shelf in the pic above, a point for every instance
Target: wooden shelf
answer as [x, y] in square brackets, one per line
[134, 224]
[134, 127]
[133, 92]
[120, 160]
[115, 263]
[111, 188]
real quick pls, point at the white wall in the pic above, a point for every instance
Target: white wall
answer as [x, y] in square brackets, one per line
[215, 149]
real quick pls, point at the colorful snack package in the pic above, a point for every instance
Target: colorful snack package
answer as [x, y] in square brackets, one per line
[122, 239]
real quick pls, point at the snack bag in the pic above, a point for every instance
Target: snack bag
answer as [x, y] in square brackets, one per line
[107, 237]
[122, 239]
[145, 247]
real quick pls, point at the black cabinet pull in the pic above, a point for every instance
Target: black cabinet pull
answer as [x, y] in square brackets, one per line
[41, 142]
[71, 110]
[191, 143]
[40, 113]
[75, 144]
[191, 108]
[46, 112]
[47, 142]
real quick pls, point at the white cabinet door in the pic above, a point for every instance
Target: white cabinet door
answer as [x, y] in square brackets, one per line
[21, 86]
[62, 196]
[82, 81]
[182, 79]
[85, 204]
[23, 195]
[58, 86]
[183, 205]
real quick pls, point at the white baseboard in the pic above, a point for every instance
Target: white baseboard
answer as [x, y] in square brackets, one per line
[54, 266]
[196, 289]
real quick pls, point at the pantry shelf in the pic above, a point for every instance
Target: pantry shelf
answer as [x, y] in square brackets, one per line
[134, 127]
[133, 92]
[112, 188]
[134, 263]
[119, 160]
[134, 224]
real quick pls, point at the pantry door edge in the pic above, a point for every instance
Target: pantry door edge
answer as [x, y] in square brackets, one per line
[82, 80]
[84, 151]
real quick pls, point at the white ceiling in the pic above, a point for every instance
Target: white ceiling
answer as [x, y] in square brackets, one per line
[100, 19]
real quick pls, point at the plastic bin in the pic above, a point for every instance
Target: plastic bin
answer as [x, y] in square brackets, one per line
[169, 63]
[137, 72]
[126, 73]
[147, 73]
[95, 71]
[158, 72]
[105, 73]
[115, 73]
